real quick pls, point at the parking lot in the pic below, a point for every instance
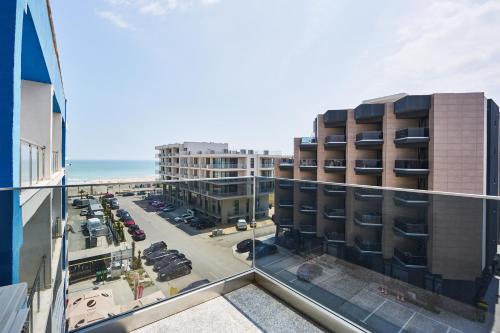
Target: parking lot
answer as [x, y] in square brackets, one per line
[212, 257]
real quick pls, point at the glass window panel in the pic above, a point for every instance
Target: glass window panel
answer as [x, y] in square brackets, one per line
[25, 164]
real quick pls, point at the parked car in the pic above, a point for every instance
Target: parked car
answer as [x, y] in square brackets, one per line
[154, 247]
[241, 224]
[165, 261]
[138, 235]
[114, 205]
[141, 193]
[174, 271]
[84, 212]
[108, 195]
[119, 212]
[125, 216]
[129, 223]
[128, 194]
[158, 255]
[247, 245]
[203, 223]
[309, 271]
[263, 250]
[133, 228]
[76, 202]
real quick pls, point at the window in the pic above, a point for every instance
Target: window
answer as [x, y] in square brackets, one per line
[252, 163]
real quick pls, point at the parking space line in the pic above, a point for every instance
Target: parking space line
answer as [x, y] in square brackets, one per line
[376, 309]
[403, 327]
[420, 313]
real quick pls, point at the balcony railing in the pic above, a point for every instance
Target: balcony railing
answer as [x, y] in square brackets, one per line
[307, 229]
[308, 187]
[369, 113]
[410, 259]
[373, 139]
[286, 163]
[366, 194]
[334, 213]
[410, 227]
[286, 184]
[411, 199]
[335, 165]
[368, 167]
[335, 118]
[334, 189]
[266, 165]
[32, 163]
[308, 208]
[335, 237]
[368, 219]
[412, 137]
[36, 287]
[308, 143]
[411, 167]
[226, 166]
[367, 247]
[412, 106]
[335, 141]
[308, 164]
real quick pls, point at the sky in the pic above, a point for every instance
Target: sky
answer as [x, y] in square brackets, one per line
[254, 74]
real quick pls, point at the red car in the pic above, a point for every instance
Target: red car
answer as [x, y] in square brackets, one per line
[129, 223]
[109, 195]
[138, 235]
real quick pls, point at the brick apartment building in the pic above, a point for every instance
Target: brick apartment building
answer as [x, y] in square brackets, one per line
[444, 142]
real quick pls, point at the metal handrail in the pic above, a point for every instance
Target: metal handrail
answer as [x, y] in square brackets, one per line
[28, 326]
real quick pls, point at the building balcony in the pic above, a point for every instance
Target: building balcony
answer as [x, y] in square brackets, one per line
[411, 199]
[411, 168]
[368, 167]
[335, 118]
[334, 190]
[286, 184]
[334, 214]
[369, 113]
[369, 220]
[308, 143]
[307, 229]
[410, 259]
[285, 222]
[285, 204]
[267, 165]
[369, 140]
[416, 106]
[286, 164]
[412, 137]
[308, 208]
[367, 247]
[337, 141]
[308, 164]
[335, 165]
[368, 194]
[410, 227]
[335, 237]
[308, 187]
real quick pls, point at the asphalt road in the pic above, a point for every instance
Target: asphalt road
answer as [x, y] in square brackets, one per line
[212, 258]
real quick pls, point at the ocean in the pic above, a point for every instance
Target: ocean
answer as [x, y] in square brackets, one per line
[85, 170]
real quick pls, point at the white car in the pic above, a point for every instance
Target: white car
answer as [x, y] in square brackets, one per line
[241, 224]
[182, 217]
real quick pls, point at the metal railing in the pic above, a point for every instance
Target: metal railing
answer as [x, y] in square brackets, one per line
[411, 164]
[32, 163]
[35, 288]
[413, 132]
[335, 138]
[371, 135]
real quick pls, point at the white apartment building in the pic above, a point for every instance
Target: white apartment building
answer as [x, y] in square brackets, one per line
[223, 201]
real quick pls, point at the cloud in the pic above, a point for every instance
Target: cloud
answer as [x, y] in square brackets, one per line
[117, 20]
[447, 45]
[159, 7]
